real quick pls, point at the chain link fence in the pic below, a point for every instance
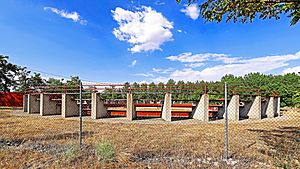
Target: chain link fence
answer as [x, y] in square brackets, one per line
[122, 126]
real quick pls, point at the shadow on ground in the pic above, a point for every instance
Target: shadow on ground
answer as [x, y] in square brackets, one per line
[283, 145]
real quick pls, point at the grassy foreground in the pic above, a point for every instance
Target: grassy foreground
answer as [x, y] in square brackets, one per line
[38, 142]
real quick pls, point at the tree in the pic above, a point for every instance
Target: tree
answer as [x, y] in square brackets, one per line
[55, 82]
[246, 10]
[9, 74]
[25, 81]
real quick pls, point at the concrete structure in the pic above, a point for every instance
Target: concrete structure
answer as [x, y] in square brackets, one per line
[130, 111]
[69, 106]
[271, 108]
[48, 106]
[201, 111]
[167, 108]
[25, 102]
[255, 109]
[33, 104]
[98, 108]
[278, 106]
[234, 108]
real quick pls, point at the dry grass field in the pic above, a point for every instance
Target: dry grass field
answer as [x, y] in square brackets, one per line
[31, 141]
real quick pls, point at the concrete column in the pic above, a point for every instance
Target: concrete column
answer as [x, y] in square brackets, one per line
[69, 106]
[255, 109]
[167, 108]
[130, 112]
[278, 106]
[271, 108]
[234, 108]
[25, 102]
[201, 112]
[98, 108]
[33, 105]
[47, 106]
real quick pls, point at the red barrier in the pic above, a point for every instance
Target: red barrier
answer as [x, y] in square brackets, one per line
[11, 99]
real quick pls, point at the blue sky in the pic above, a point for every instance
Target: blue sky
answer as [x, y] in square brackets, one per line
[119, 41]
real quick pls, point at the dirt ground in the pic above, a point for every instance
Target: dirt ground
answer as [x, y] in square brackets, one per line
[31, 141]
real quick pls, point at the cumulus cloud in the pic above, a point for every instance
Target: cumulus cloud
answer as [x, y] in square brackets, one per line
[263, 64]
[74, 16]
[145, 29]
[192, 11]
[291, 70]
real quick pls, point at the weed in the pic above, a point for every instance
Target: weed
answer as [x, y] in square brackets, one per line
[105, 150]
[71, 152]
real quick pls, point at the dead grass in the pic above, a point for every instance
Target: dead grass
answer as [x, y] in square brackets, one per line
[42, 141]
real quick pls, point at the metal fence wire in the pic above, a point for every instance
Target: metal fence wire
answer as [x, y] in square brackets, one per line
[143, 126]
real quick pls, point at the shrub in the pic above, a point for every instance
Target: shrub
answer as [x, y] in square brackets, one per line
[71, 152]
[105, 150]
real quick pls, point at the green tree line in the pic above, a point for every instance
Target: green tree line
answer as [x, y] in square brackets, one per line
[287, 86]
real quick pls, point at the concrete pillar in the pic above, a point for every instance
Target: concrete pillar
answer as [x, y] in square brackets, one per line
[201, 112]
[255, 109]
[278, 106]
[234, 108]
[167, 108]
[98, 108]
[47, 106]
[25, 102]
[33, 104]
[271, 107]
[69, 106]
[130, 112]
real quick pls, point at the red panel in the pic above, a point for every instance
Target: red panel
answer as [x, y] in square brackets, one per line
[148, 113]
[118, 113]
[11, 99]
[180, 114]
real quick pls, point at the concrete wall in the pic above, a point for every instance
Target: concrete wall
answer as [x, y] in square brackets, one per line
[69, 106]
[33, 104]
[48, 106]
[98, 108]
[201, 111]
[278, 106]
[25, 102]
[167, 108]
[255, 110]
[234, 108]
[271, 110]
[130, 112]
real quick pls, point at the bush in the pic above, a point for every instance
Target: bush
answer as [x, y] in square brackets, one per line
[105, 150]
[71, 152]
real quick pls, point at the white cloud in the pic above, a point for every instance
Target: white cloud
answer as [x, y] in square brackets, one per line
[145, 29]
[194, 65]
[158, 2]
[144, 74]
[291, 70]
[162, 71]
[74, 16]
[188, 57]
[192, 11]
[179, 30]
[133, 63]
[264, 64]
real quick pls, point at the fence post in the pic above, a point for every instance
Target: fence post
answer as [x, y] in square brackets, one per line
[226, 126]
[80, 114]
